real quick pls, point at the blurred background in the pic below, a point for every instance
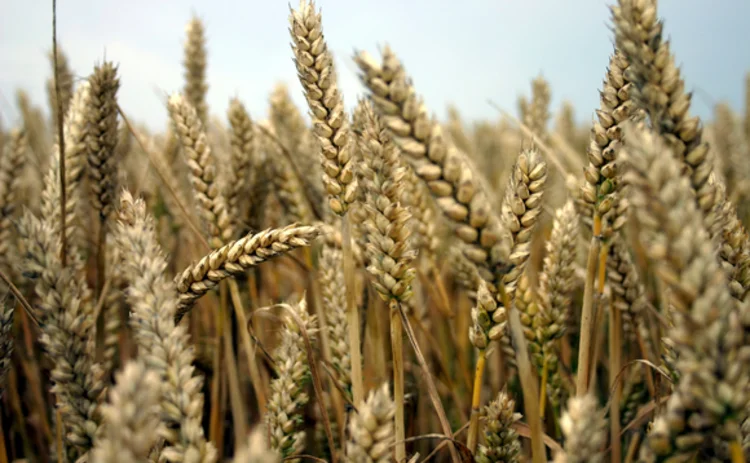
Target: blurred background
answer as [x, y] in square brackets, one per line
[463, 52]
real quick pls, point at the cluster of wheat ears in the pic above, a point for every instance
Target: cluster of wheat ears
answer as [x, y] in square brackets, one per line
[494, 292]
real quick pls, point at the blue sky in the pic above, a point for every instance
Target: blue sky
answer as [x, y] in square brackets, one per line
[464, 52]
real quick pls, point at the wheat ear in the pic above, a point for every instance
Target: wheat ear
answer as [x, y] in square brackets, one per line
[371, 431]
[65, 312]
[163, 346]
[672, 228]
[194, 63]
[317, 74]
[255, 449]
[243, 160]
[131, 418]
[11, 181]
[585, 431]
[235, 258]
[288, 391]
[502, 444]
[6, 339]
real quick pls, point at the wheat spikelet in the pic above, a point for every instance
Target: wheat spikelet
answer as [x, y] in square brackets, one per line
[424, 229]
[35, 126]
[521, 207]
[255, 449]
[243, 161]
[288, 395]
[101, 137]
[660, 91]
[317, 74]
[163, 346]
[11, 180]
[371, 430]
[627, 289]
[537, 113]
[734, 248]
[131, 418]
[601, 175]
[75, 134]
[64, 82]
[114, 306]
[6, 339]
[387, 249]
[585, 431]
[194, 63]
[451, 181]
[199, 158]
[502, 444]
[556, 284]
[334, 303]
[235, 258]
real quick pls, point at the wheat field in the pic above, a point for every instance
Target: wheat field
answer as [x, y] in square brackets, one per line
[376, 284]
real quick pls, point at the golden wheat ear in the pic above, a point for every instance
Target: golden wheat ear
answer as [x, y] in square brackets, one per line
[288, 391]
[131, 417]
[164, 347]
[585, 429]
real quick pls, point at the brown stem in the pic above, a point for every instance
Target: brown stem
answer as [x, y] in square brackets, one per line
[431, 389]
[258, 384]
[587, 312]
[397, 350]
[61, 139]
[615, 330]
[476, 398]
[352, 311]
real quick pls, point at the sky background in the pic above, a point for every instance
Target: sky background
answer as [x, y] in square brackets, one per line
[466, 52]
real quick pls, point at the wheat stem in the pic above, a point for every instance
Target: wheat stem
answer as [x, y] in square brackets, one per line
[352, 311]
[528, 382]
[615, 352]
[476, 398]
[258, 385]
[587, 312]
[397, 349]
